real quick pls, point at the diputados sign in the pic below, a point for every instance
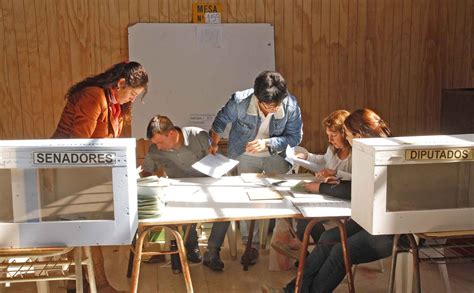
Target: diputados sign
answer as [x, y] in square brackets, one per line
[464, 154]
[74, 158]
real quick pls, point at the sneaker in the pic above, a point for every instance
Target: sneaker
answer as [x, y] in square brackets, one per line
[213, 261]
[252, 256]
[193, 254]
[286, 250]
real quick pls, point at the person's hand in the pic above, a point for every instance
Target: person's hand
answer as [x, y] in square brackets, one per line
[332, 180]
[255, 146]
[312, 187]
[213, 149]
[326, 173]
[303, 156]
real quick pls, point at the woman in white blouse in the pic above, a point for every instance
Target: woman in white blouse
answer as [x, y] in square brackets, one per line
[334, 165]
[336, 162]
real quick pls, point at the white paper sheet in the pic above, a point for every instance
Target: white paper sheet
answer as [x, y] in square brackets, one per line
[322, 206]
[291, 157]
[215, 165]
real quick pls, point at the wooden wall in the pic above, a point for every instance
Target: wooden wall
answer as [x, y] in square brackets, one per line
[393, 56]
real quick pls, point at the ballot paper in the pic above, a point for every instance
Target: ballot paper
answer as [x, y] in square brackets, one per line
[215, 165]
[263, 194]
[322, 206]
[291, 157]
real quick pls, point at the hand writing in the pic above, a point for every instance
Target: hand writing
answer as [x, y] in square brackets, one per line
[212, 149]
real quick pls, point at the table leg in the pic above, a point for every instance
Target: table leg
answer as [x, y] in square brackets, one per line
[391, 281]
[131, 256]
[347, 261]
[416, 261]
[248, 247]
[78, 267]
[90, 269]
[183, 259]
[304, 248]
[137, 260]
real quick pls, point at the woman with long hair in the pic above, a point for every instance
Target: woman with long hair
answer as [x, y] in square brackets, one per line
[97, 105]
[324, 267]
[96, 108]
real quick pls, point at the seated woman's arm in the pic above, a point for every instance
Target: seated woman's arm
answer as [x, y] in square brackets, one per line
[341, 190]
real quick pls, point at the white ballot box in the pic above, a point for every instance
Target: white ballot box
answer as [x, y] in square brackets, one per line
[67, 192]
[413, 184]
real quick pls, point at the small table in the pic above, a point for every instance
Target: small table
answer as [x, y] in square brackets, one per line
[206, 199]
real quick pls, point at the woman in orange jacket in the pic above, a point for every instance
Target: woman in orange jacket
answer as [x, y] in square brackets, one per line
[96, 107]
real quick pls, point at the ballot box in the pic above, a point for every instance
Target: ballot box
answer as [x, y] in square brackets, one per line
[413, 184]
[71, 192]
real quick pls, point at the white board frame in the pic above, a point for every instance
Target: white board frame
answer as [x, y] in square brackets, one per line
[194, 68]
[18, 154]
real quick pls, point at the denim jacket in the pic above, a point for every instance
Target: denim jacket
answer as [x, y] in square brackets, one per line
[285, 129]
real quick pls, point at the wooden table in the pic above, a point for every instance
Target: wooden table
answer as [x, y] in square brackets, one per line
[206, 199]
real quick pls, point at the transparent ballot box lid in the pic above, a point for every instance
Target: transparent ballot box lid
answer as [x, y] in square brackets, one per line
[75, 192]
[414, 184]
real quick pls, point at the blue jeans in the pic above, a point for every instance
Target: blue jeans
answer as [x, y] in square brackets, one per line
[250, 164]
[214, 243]
[324, 267]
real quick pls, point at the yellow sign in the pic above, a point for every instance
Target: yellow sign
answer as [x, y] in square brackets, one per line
[202, 12]
[463, 154]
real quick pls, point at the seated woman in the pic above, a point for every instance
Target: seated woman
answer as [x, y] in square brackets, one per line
[324, 267]
[336, 162]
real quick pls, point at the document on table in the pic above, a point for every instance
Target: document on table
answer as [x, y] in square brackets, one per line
[293, 159]
[263, 194]
[215, 165]
[322, 206]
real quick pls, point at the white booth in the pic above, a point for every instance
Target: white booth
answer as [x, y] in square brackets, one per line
[413, 184]
[71, 192]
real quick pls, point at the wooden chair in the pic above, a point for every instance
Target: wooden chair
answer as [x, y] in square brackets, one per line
[41, 265]
[434, 247]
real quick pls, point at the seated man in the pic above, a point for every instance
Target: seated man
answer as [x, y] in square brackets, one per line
[172, 153]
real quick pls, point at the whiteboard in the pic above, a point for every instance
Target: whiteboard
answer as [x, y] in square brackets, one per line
[194, 68]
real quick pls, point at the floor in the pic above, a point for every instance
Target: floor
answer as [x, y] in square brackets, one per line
[159, 277]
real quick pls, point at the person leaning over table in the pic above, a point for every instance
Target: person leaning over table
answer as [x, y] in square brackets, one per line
[173, 151]
[264, 121]
[324, 267]
[96, 108]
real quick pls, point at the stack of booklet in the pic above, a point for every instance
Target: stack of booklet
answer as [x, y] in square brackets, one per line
[151, 197]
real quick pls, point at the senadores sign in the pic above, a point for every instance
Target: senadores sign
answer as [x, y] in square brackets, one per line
[74, 158]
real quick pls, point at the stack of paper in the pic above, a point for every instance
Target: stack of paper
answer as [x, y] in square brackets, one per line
[322, 206]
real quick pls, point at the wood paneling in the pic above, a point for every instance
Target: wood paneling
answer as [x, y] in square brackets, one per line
[393, 56]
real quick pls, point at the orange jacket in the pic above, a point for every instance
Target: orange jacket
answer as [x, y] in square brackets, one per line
[86, 115]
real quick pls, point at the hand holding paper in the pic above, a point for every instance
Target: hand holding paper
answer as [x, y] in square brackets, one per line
[215, 165]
